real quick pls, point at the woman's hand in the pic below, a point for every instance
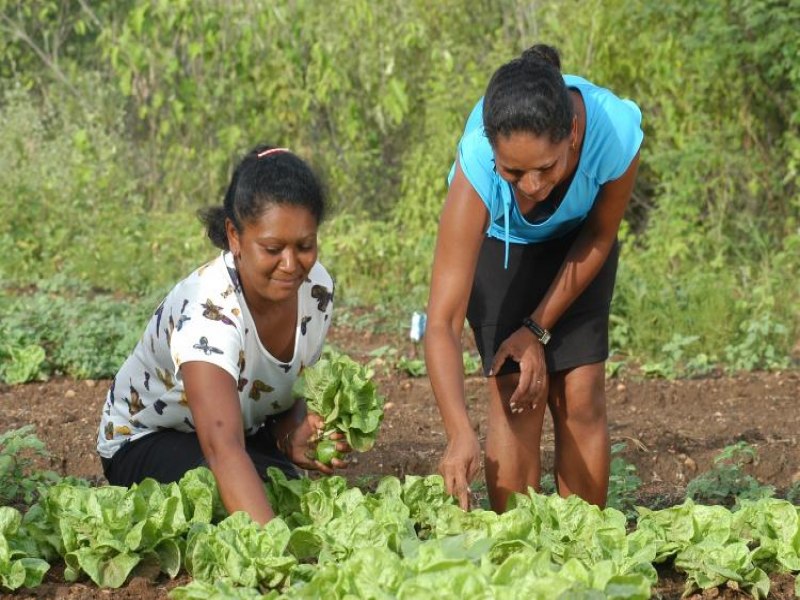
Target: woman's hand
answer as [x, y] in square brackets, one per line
[300, 445]
[523, 347]
[459, 465]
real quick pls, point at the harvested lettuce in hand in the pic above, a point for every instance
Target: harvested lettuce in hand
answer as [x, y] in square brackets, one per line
[342, 392]
[326, 452]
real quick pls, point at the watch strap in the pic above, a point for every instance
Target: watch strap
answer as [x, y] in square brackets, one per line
[542, 334]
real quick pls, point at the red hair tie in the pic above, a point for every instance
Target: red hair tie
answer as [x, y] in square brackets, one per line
[264, 153]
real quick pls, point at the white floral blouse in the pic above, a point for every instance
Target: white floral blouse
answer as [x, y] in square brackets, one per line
[205, 318]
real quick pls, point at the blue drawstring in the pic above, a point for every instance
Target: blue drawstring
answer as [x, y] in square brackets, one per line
[505, 224]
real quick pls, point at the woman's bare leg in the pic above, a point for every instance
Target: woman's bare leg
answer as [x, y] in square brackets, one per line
[512, 461]
[578, 404]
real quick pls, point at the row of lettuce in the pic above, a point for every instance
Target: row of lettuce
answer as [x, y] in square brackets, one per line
[402, 540]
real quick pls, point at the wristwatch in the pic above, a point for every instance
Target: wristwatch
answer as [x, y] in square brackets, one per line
[540, 332]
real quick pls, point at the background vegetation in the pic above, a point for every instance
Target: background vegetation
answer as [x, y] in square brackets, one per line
[120, 119]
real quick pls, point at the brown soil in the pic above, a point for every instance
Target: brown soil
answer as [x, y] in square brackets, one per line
[673, 430]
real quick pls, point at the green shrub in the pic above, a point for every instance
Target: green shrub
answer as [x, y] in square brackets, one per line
[120, 121]
[81, 336]
[793, 493]
[19, 479]
[623, 482]
[728, 482]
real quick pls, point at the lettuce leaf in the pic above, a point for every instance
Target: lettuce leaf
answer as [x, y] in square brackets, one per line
[19, 567]
[342, 392]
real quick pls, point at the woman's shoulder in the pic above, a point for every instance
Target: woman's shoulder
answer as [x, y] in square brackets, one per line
[319, 275]
[475, 118]
[212, 284]
[318, 288]
[476, 158]
[210, 275]
[474, 145]
[604, 106]
[613, 130]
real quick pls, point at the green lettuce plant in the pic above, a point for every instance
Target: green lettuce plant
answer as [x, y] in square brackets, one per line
[342, 392]
[19, 564]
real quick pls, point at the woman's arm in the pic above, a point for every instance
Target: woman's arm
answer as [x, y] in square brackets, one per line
[584, 260]
[590, 249]
[214, 402]
[461, 232]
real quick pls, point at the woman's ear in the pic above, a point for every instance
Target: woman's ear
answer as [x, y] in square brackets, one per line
[233, 238]
[575, 132]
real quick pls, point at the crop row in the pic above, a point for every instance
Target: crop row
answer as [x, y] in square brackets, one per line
[401, 540]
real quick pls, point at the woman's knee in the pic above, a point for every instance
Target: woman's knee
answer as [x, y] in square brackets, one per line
[579, 397]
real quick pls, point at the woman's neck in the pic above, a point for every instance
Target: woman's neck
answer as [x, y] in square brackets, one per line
[580, 115]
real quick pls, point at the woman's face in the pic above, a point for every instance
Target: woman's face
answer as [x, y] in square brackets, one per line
[533, 165]
[275, 252]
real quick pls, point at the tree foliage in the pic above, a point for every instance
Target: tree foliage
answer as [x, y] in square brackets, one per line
[120, 119]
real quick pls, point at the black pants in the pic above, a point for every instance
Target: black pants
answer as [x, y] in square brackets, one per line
[166, 455]
[502, 298]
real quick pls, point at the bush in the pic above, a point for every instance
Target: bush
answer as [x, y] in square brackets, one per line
[19, 479]
[119, 121]
[728, 482]
[78, 335]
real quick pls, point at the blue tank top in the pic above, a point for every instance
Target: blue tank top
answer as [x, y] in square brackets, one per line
[611, 140]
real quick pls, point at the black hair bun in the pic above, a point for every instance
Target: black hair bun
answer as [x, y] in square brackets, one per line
[543, 53]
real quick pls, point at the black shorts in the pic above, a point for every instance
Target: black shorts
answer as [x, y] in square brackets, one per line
[502, 298]
[167, 455]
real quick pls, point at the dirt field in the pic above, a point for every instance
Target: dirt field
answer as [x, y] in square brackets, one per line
[673, 430]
